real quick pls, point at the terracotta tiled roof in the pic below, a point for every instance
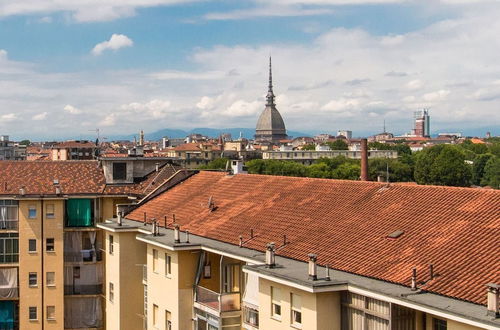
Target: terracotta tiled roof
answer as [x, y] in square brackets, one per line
[347, 222]
[37, 177]
[75, 144]
[187, 147]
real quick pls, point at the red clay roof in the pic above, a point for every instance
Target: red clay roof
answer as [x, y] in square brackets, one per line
[187, 147]
[74, 144]
[347, 222]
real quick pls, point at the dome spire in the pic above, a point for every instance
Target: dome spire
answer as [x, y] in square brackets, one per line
[270, 94]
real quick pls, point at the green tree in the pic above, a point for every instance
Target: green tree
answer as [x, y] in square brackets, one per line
[338, 144]
[25, 142]
[347, 171]
[309, 147]
[478, 167]
[216, 164]
[319, 170]
[491, 176]
[398, 171]
[442, 165]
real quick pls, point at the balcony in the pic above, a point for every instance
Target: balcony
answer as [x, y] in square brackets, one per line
[83, 289]
[9, 224]
[220, 302]
[83, 256]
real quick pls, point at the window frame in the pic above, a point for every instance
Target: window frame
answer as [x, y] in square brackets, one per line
[33, 279]
[155, 261]
[111, 292]
[295, 311]
[50, 211]
[30, 241]
[121, 169]
[30, 209]
[168, 265]
[51, 310]
[51, 283]
[32, 310]
[110, 244]
[276, 310]
[439, 324]
[50, 247]
[155, 314]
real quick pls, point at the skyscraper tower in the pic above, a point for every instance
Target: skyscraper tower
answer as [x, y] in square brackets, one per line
[270, 126]
[422, 123]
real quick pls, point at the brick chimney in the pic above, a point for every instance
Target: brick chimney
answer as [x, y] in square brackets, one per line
[364, 160]
[493, 300]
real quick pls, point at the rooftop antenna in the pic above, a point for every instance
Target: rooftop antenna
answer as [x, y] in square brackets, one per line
[384, 126]
[97, 132]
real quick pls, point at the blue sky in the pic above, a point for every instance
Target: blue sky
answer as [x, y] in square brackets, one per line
[152, 64]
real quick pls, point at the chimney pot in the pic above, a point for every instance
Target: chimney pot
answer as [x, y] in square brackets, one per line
[493, 300]
[313, 267]
[327, 270]
[176, 234]
[414, 279]
[241, 240]
[58, 190]
[119, 218]
[22, 191]
[187, 236]
[431, 271]
[270, 255]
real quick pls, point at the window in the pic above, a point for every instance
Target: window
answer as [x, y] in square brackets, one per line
[9, 247]
[32, 212]
[79, 212]
[296, 317]
[51, 313]
[155, 315]
[50, 245]
[111, 292]
[33, 280]
[168, 265]
[155, 260]
[439, 324]
[230, 278]
[251, 316]
[360, 312]
[110, 248]
[51, 279]
[168, 320]
[8, 214]
[119, 171]
[32, 313]
[50, 212]
[32, 245]
[276, 303]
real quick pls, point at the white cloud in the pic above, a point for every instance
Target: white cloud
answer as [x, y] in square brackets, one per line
[3, 54]
[116, 42]
[206, 103]
[72, 110]
[8, 117]
[45, 19]
[155, 109]
[267, 11]
[243, 108]
[341, 105]
[184, 75]
[40, 116]
[414, 84]
[440, 95]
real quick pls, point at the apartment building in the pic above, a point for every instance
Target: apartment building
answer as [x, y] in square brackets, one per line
[51, 260]
[194, 155]
[308, 157]
[221, 251]
[74, 150]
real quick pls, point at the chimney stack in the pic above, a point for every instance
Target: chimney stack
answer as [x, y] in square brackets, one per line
[119, 218]
[493, 300]
[414, 279]
[22, 191]
[177, 238]
[364, 160]
[313, 268]
[270, 255]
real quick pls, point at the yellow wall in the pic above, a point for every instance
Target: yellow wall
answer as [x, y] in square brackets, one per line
[451, 325]
[124, 271]
[32, 262]
[108, 205]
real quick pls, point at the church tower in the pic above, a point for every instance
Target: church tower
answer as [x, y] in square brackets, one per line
[270, 126]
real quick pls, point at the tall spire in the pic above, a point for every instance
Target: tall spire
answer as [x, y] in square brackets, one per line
[270, 94]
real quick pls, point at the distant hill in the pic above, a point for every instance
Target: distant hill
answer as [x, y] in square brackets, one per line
[211, 132]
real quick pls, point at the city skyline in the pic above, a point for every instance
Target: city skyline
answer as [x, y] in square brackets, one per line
[163, 64]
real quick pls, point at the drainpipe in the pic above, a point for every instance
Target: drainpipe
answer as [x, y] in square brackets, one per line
[42, 314]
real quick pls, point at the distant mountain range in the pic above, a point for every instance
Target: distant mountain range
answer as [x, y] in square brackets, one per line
[211, 132]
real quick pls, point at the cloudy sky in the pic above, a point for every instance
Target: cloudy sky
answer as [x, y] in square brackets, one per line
[67, 67]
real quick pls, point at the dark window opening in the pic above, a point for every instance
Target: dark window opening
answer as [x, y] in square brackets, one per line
[119, 171]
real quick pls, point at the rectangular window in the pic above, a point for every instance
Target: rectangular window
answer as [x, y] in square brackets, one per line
[33, 279]
[365, 312]
[32, 245]
[168, 265]
[168, 320]
[50, 245]
[51, 278]
[51, 313]
[50, 212]
[111, 292]
[9, 247]
[32, 313]
[110, 248]
[79, 212]
[9, 214]
[439, 324]
[119, 171]
[275, 303]
[155, 315]
[155, 260]
[251, 316]
[32, 212]
[296, 317]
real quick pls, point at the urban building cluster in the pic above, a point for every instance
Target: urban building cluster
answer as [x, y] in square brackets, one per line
[131, 235]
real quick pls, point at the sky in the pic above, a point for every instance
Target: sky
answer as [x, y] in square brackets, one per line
[69, 67]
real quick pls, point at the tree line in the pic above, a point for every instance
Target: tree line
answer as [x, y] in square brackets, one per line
[460, 165]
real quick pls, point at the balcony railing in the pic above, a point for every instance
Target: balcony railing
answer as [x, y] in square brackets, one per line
[221, 302]
[83, 289]
[9, 293]
[82, 256]
[9, 224]
[145, 273]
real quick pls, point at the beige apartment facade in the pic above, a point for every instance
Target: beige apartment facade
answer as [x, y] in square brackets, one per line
[205, 284]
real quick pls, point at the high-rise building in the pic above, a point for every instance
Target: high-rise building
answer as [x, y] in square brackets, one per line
[270, 126]
[422, 123]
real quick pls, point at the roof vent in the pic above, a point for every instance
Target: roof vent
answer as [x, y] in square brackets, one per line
[313, 267]
[22, 191]
[56, 181]
[493, 300]
[177, 238]
[58, 190]
[270, 255]
[395, 234]
[414, 279]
